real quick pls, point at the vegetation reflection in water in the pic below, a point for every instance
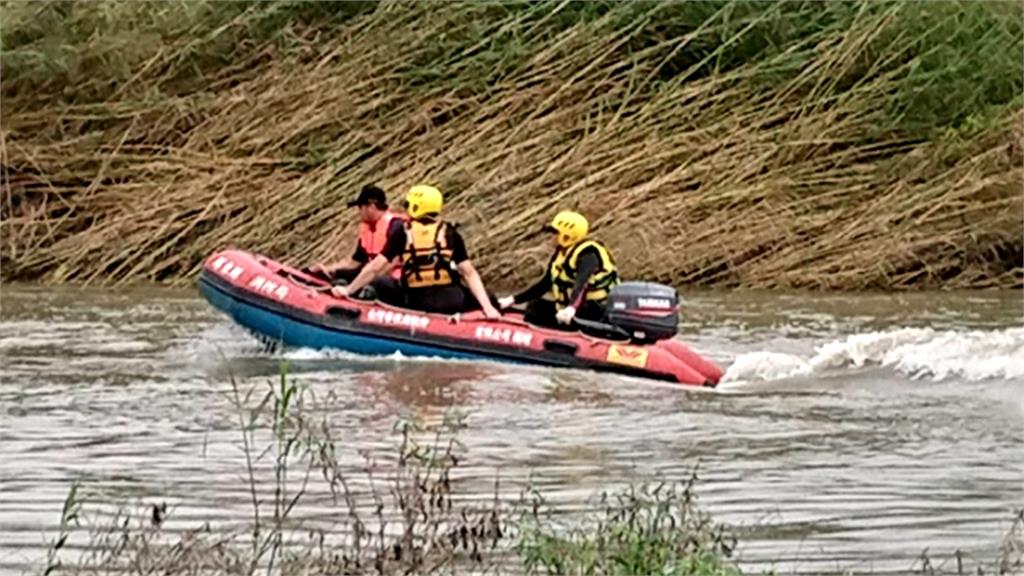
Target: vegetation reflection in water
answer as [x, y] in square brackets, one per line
[404, 514]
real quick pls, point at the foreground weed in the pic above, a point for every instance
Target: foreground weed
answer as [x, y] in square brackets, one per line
[646, 529]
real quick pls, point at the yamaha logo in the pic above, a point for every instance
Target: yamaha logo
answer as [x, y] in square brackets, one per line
[660, 303]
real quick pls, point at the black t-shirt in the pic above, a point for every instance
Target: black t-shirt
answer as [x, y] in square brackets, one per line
[395, 245]
[360, 254]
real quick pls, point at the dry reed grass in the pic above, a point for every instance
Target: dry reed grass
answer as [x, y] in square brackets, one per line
[779, 172]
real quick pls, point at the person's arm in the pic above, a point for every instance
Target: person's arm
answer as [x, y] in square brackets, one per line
[468, 274]
[587, 264]
[538, 290]
[476, 287]
[375, 268]
[535, 292]
[380, 263]
[358, 258]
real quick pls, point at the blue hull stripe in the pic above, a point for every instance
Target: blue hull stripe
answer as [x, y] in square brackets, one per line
[300, 334]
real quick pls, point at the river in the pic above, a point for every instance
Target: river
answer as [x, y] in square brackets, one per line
[851, 433]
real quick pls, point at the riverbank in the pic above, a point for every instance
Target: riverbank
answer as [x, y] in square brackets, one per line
[851, 146]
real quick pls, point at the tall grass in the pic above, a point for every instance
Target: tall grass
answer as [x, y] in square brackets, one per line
[833, 145]
[645, 529]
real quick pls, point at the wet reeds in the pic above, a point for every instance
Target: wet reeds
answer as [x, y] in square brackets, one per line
[846, 145]
[645, 529]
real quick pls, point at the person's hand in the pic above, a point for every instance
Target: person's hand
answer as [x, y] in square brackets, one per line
[339, 291]
[506, 302]
[491, 313]
[565, 315]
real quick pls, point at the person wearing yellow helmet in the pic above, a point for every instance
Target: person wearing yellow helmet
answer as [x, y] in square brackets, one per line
[437, 274]
[579, 276]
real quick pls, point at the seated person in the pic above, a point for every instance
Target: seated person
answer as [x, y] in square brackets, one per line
[376, 221]
[436, 273]
[579, 277]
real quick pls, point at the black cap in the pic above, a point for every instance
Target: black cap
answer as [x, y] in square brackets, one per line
[370, 194]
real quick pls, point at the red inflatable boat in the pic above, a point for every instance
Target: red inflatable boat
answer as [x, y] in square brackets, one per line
[285, 305]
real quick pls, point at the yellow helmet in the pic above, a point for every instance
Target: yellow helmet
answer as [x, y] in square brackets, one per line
[571, 227]
[422, 200]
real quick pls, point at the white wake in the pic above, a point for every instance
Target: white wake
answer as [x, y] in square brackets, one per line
[914, 352]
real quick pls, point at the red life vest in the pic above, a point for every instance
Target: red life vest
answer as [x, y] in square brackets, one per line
[373, 240]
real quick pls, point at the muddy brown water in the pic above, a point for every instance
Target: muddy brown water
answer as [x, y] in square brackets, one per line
[854, 431]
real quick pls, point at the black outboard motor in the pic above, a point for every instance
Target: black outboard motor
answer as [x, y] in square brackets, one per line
[647, 311]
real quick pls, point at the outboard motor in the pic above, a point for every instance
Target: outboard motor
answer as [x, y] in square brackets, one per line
[647, 311]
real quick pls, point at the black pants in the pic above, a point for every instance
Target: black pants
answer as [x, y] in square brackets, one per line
[385, 289]
[542, 313]
[346, 276]
[450, 299]
[335, 277]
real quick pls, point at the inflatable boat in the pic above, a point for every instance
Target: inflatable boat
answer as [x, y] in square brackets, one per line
[282, 304]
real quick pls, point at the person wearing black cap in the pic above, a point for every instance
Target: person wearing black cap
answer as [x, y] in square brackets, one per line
[437, 274]
[377, 222]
